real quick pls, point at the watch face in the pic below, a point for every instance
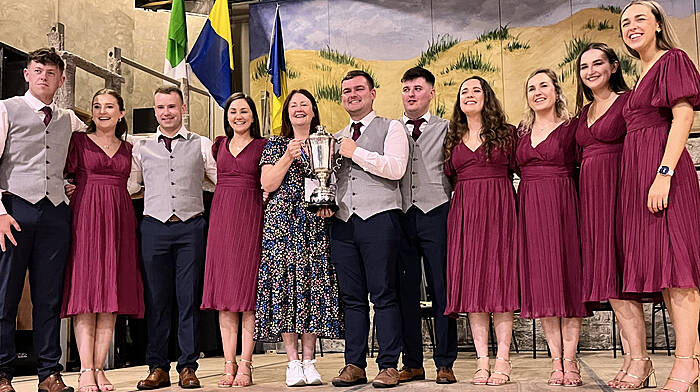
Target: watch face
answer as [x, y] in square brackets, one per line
[663, 170]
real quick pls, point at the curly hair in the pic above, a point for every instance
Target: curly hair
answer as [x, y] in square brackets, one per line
[560, 106]
[495, 131]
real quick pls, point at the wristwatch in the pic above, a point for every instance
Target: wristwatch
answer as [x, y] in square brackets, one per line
[665, 171]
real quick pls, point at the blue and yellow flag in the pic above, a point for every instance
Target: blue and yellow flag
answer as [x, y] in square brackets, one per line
[278, 75]
[211, 57]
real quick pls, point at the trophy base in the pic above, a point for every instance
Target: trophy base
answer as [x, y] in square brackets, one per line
[315, 206]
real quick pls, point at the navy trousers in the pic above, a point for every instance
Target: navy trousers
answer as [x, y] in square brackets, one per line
[173, 257]
[364, 253]
[425, 236]
[42, 247]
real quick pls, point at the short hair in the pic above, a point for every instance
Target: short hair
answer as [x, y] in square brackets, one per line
[46, 56]
[666, 39]
[418, 72]
[358, 72]
[617, 81]
[287, 130]
[167, 90]
[122, 128]
[254, 127]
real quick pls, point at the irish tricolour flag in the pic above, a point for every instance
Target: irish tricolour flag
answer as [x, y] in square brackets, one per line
[177, 43]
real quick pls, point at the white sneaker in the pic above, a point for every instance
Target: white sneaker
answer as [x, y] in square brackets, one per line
[310, 372]
[295, 374]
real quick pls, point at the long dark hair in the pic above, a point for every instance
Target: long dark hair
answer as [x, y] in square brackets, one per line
[495, 131]
[287, 130]
[617, 81]
[254, 127]
[122, 128]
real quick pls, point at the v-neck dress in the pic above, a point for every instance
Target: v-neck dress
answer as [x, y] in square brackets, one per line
[103, 274]
[661, 250]
[235, 229]
[482, 271]
[549, 251]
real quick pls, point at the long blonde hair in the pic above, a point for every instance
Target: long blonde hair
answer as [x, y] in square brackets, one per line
[666, 39]
[560, 105]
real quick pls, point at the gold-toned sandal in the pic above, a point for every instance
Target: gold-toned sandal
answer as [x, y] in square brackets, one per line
[692, 385]
[576, 382]
[89, 387]
[617, 379]
[647, 382]
[556, 382]
[502, 381]
[226, 380]
[481, 380]
[240, 372]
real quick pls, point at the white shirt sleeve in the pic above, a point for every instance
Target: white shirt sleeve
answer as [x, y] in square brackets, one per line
[76, 124]
[4, 126]
[392, 164]
[135, 180]
[208, 157]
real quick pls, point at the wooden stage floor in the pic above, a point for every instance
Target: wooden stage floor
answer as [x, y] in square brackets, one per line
[528, 374]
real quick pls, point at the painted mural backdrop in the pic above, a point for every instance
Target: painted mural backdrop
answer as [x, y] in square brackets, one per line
[502, 41]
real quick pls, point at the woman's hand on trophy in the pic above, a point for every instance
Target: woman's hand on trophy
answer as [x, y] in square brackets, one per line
[294, 148]
[347, 147]
[324, 212]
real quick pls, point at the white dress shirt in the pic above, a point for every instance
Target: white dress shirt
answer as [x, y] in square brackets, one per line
[390, 165]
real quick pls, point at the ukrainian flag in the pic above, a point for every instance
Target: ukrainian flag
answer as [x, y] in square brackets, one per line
[211, 57]
[278, 75]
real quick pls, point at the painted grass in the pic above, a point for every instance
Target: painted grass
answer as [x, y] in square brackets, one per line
[629, 66]
[501, 33]
[516, 44]
[435, 48]
[604, 25]
[329, 92]
[590, 25]
[470, 61]
[337, 57]
[573, 49]
[611, 8]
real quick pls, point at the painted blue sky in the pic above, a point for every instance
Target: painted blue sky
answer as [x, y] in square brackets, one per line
[400, 29]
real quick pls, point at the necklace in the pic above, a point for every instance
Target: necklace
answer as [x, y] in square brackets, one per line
[105, 146]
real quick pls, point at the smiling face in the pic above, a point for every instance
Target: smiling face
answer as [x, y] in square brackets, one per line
[169, 110]
[541, 93]
[44, 80]
[105, 112]
[301, 111]
[357, 97]
[471, 97]
[595, 69]
[416, 95]
[240, 117]
[639, 27]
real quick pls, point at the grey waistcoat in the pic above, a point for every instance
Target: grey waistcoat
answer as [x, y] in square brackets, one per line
[172, 180]
[360, 192]
[425, 184]
[34, 157]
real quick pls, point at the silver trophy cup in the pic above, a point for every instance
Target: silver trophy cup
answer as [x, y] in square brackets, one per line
[321, 149]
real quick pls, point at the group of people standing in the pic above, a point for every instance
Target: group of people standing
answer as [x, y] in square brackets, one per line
[607, 209]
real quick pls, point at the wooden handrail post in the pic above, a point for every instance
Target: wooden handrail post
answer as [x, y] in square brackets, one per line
[185, 87]
[65, 96]
[114, 61]
[56, 36]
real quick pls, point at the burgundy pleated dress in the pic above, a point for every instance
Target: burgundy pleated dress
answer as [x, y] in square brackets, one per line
[599, 192]
[103, 274]
[235, 229]
[661, 250]
[549, 252]
[482, 271]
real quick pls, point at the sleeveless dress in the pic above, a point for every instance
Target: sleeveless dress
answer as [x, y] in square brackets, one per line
[103, 274]
[482, 270]
[549, 251]
[661, 250]
[235, 229]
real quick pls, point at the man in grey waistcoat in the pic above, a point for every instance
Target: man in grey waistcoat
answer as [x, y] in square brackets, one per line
[425, 191]
[35, 220]
[172, 165]
[365, 233]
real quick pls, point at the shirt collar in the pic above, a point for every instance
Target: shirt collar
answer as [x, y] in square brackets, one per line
[426, 117]
[182, 132]
[36, 104]
[365, 120]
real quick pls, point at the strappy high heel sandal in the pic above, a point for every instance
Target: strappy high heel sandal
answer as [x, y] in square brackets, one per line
[226, 380]
[501, 380]
[575, 382]
[647, 382]
[481, 380]
[89, 387]
[692, 385]
[248, 374]
[555, 382]
[617, 379]
[106, 387]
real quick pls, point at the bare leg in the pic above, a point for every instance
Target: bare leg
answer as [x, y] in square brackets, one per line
[85, 325]
[103, 340]
[244, 377]
[291, 345]
[571, 329]
[631, 317]
[479, 323]
[552, 332]
[503, 324]
[228, 324]
[619, 306]
[308, 346]
[684, 302]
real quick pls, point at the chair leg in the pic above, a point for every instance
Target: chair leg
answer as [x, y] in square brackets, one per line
[668, 344]
[653, 328]
[320, 346]
[534, 340]
[374, 332]
[431, 332]
[492, 335]
[515, 342]
[614, 336]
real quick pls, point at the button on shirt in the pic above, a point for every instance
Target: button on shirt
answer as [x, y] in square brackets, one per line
[390, 165]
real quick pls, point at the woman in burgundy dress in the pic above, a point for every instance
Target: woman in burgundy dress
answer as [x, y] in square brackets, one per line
[235, 230]
[482, 268]
[103, 277]
[660, 192]
[549, 251]
[600, 134]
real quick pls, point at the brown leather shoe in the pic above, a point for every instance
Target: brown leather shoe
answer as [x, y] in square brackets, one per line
[445, 375]
[6, 385]
[54, 383]
[407, 374]
[188, 379]
[350, 375]
[387, 378]
[157, 378]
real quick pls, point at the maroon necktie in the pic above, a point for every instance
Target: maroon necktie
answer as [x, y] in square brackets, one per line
[416, 127]
[168, 141]
[356, 130]
[47, 115]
